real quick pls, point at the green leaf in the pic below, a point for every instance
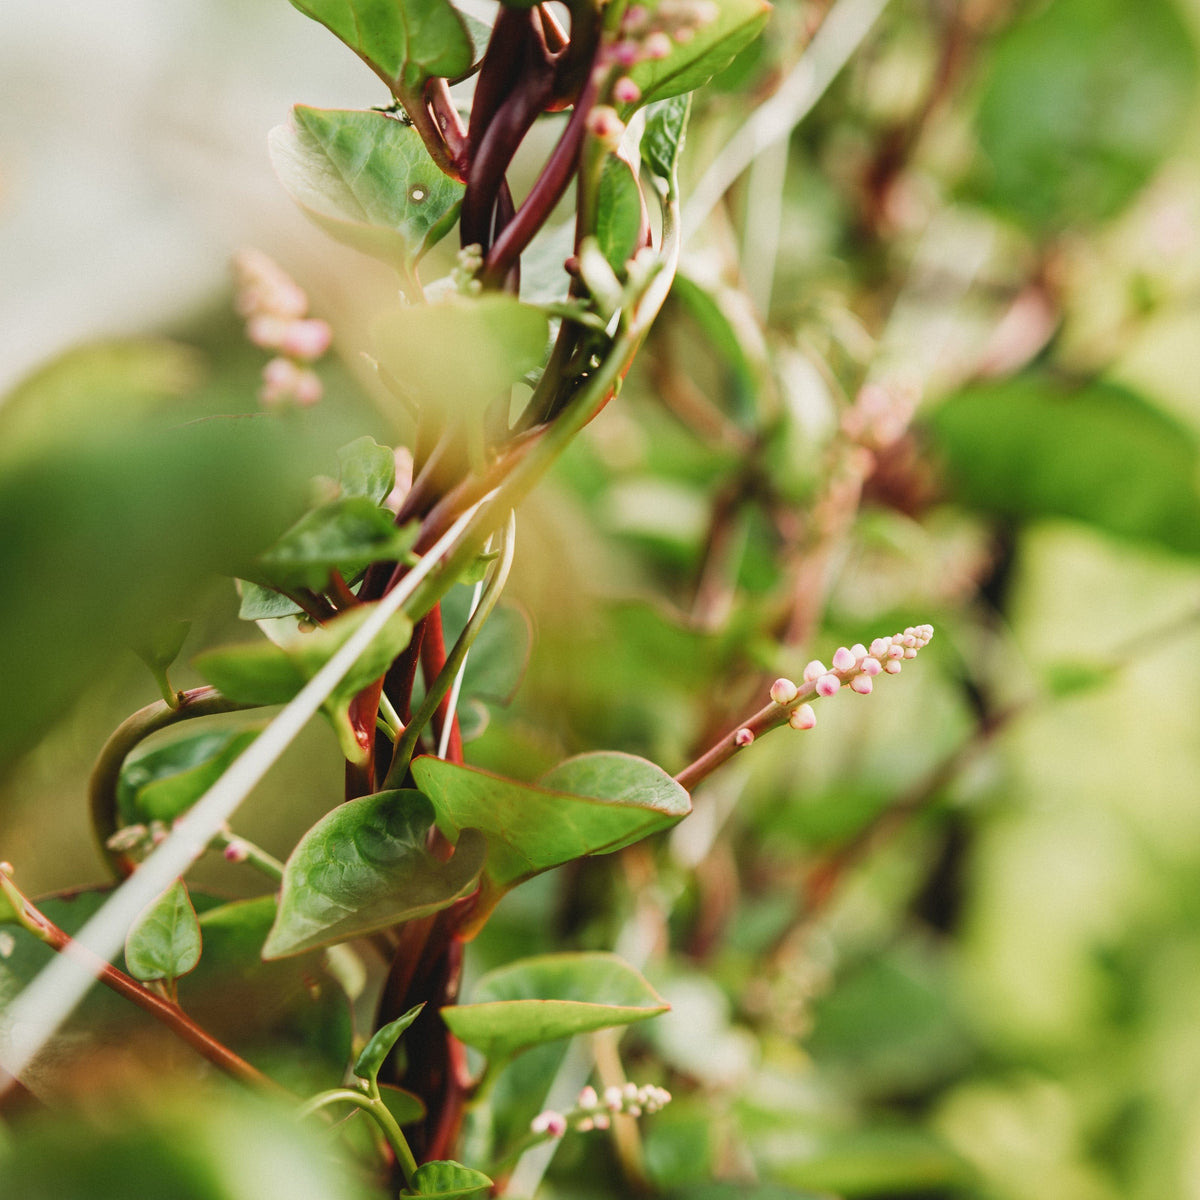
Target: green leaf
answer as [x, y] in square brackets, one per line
[406, 1107]
[260, 603]
[663, 138]
[159, 649]
[448, 1181]
[593, 804]
[499, 655]
[266, 673]
[367, 469]
[404, 41]
[345, 535]
[366, 179]
[367, 1065]
[720, 334]
[168, 780]
[364, 867]
[461, 353]
[1082, 101]
[714, 46]
[164, 941]
[618, 212]
[553, 996]
[1036, 447]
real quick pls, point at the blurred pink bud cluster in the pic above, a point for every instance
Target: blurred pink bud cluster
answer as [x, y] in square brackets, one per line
[650, 34]
[274, 307]
[593, 1111]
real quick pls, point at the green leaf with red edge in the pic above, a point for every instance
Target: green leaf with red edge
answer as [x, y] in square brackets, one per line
[267, 673]
[365, 866]
[164, 941]
[711, 49]
[591, 804]
[367, 180]
[404, 41]
[549, 997]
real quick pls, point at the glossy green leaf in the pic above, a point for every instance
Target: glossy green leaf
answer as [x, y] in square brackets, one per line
[346, 535]
[714, 46]
[403, 40]
[367, 1065]
[618, 212]
[459, 354]
[164, 942]
[1082, 101]
[1036, 447]
[553, 996]
[165, 782]
[448, 1181]
[592, 804]
[662, 141]
[365, 468]
[364, 867]
[366, 179]
[267, 673]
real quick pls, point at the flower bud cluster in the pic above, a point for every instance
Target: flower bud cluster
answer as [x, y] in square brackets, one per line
[854, 667]
[650, 34]
[593, 1111]
[274, 307]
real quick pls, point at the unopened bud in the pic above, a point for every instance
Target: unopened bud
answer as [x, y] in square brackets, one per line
[802, 717]
[657, 45]
[307, 339]
[814, 670]
[784, 691]
[625, 91]
[862, 684]
[843, 659]
[828, 685]
[236, 851]
[870, 666]
[588, 1098]
[892, 666]
[744, 737]
[551, 1122]
[606, 126]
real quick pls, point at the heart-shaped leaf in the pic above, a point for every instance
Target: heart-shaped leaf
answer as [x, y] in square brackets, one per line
[364, 867]
[367, 1065]
[167, 781]
[461, 353]
[662, 141]
[367, 180]
[164, 942]
[347, 535]
[692, 63]
[266, 673]
[404, 41]
[448, 1181]
[365, 468]
[592, 804]
[553, 996]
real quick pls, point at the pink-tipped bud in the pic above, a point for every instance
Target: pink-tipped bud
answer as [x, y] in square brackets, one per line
[910, 652]
[601, 1120]
[613, 1099]
[626, 53]
[871, 666]
[814, 670]
[861, 684]
[307, 339]
[802, 717]
[784, 691]
[236, 852]
[267, 331]
[858, 650]
[909, 640]
[606, 126]
[892, 666]
[880, 647]
[588, 1098]
[309, 388]
[828, 685]
[586, 1125]
[625, 91]
[657, 45]
[551, 1122]
[636, 16]
[843, 659]
[744, 738]
[895, 651]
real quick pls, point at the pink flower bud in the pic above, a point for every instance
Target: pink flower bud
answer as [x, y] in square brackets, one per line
[236, 852]
[858, 650]
[843, 659]
[613, 1099]
[784, 691]
[814, 670]
[871, 666]
[892, 666]
[862, 685]
[828, 685]
[910, 652]
[551, 1122]
[657, 45]
[307, 339]
[601, 1121]
[586, 1125]
[895, 651]
[267, 330]
[309, 389]
[588, 1098]
[744, 738]
[880, 647]
[802, 717]
[625, 91]
[605, 125]
[626, 53]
